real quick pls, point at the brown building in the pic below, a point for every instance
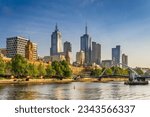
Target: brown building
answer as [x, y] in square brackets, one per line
[29, 51]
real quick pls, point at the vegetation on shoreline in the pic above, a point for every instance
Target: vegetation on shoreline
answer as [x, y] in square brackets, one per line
[110, 71]
[19, 67]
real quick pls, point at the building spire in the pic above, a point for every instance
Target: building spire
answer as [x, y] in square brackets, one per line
[56, 27]
[86, 28]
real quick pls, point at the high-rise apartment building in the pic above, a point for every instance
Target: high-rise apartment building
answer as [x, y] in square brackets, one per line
[56, 42]
[86, 46]
[124, 60]
[116, 52]
[96, 53]
[16, 45]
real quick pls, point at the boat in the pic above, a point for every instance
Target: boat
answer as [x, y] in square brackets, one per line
[136, 83]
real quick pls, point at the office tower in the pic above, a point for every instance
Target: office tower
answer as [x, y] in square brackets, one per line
[116, 52]
[67, 47]
[124, 60]
[86, 46]
[80, 57]
[96, 53]
[16, 45]
[31, 51]
[68, 52]
[56, 42]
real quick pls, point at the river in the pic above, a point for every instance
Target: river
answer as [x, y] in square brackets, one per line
[75, 91]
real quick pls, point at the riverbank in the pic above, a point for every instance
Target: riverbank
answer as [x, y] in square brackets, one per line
[44, 81]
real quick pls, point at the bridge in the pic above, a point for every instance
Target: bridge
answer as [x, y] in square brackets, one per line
[133, 75]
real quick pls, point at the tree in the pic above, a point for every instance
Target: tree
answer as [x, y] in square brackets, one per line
[8, 68]
[96, 72]
[62, 68]
[125, 72]
[50, 71]
[117, 70]
[41, 70]
[19, 65]
[139, 71]
[32, 70]
[66, 69]
[2, 66]
[35, 70]
[58, 68]
[108, 71]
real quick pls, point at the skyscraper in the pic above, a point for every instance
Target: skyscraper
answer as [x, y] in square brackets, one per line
[116, 52]
[68, 52]
[124, 60]
[86, 46]
[96, 53]
[56, 42]
[67, 47]
[16, 45]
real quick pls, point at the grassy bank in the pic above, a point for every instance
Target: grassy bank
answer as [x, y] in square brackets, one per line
[44, 81]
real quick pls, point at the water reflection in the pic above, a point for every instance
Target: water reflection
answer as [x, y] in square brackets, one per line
[74, 91]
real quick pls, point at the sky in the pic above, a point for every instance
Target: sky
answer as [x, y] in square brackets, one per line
[110, 23]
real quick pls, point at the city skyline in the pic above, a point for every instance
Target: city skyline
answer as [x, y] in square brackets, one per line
[110, 23]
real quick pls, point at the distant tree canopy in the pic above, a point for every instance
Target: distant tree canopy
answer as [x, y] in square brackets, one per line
[96, 72]
[20, 67]
[139, 71]
[2, 66]
[110, 71]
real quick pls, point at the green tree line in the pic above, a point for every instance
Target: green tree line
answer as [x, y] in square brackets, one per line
[19, 67]
[113, 71]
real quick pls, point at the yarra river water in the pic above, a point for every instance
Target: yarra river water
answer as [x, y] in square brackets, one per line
[75, 91]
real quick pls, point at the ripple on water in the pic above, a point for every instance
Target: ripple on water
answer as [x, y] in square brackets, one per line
[75, 91]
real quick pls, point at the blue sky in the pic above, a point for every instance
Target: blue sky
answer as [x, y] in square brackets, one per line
[110, 23]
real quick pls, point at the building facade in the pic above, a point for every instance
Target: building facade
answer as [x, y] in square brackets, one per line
[107, 63]
[116, 53]
[124, 60]
[3, 51]
[35, 53]
[67, 47]
[80, 57]
[58, 57]
[56, 42]
[96, 53]
[86, 46]
[31, 51]
[16, 45]
[68, 52]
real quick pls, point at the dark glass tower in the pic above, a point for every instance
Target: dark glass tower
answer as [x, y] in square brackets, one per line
[86, 46]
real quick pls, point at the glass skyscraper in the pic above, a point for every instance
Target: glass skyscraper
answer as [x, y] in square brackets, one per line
[86, 46]
[116, 53]
[56, 42]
